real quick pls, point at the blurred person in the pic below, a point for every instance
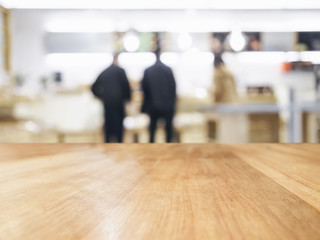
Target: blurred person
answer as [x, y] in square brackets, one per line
[112, 87]
[159, 89]
[225, 87]
[254, 44]
[226, 125]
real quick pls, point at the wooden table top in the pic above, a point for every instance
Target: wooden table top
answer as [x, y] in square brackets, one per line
[159, 191]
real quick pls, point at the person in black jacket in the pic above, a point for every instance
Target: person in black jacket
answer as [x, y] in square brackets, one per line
[112, 87]
[159, 89]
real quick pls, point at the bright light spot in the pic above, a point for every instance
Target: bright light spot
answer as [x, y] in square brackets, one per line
[184, 41]
[129, 123]
[136, 122]
[237, 40]
[32, 127]
[131, 42]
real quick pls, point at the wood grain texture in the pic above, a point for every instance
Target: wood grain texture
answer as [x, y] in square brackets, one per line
[159, 191]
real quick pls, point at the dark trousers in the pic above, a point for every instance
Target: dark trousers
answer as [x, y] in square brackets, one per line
[167, 115]
[113, 124]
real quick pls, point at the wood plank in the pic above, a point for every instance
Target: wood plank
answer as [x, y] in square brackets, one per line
[157, 191]
[295, 167]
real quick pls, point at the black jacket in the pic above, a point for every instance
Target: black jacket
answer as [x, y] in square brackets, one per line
[159, 88]
[112, 87]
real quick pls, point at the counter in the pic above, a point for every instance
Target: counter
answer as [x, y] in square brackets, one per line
[293, 109]
[159, 191]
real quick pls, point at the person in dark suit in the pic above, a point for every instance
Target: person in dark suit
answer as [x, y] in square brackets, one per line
[159, 89]
[112, 87]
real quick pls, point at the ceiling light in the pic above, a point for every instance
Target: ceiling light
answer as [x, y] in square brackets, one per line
[131, 41]
[237, 40]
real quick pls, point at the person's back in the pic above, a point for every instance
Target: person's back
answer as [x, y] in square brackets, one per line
[112, 87]
[225, 87]
[159, 88]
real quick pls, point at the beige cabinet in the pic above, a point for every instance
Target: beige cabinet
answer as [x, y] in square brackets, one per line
[4, 40]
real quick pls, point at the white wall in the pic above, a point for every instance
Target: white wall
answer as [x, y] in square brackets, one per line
[28, 51]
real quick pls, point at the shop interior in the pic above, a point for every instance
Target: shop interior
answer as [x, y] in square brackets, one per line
[51, 52]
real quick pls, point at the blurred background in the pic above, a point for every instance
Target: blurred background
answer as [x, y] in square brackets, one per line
[52, 51]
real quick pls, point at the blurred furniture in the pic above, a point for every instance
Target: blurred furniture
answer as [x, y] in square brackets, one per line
[306, 122]
[76, 115]
[135, 126]
[6, 103]
[264, 128]
[302, 123]
[245, 122]
[6, 110]
[259, 94]
[191, 104]
[227, 128]
[189, 126]
[80, 136]
[300, 126]
[159, 191]
[27, 132]
[310, 127]
[4, 39]
[211, 130]
[255, 118]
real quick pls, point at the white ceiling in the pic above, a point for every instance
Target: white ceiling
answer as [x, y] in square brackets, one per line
[161, 4]
[167, 21]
